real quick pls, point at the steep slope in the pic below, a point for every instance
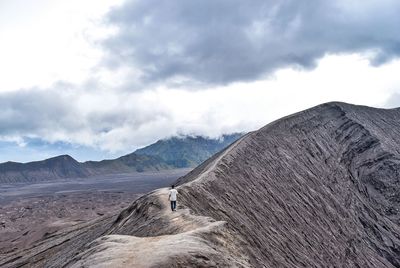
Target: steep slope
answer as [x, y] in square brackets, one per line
[315, 189]
[187, 151]
[59, 167]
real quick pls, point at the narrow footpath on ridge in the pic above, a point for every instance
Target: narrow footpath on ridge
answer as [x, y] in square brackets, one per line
[183, 234]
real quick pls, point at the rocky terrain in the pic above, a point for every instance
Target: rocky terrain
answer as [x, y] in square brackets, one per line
[25, 221]
[319, 188]
[30, 212]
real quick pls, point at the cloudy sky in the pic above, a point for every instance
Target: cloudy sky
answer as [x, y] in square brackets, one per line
[99, 78]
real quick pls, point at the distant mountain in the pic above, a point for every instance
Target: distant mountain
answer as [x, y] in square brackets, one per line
[187, 151]
[319, 188]
[127, 163]
[164, 154]
[63, 166]
[175, 152]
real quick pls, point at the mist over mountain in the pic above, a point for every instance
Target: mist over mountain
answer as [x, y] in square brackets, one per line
[314, 189]
[176, 152]
[187, 151]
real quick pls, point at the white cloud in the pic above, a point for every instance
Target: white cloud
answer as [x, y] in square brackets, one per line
[121, 121]
[46, 41]
[113, 110]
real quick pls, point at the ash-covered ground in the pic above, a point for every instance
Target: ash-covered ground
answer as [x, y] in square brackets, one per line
[31, 212]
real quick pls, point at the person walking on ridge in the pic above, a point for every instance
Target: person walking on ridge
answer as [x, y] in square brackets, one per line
[172, 197]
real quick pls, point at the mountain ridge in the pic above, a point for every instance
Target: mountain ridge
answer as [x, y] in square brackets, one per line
[315, 189]
[64, 166]
[58, 167]
[188, 151]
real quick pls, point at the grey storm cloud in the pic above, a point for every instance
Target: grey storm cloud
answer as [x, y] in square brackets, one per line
[64, 113]
[34, 111]
[223, 41]
[41, 110]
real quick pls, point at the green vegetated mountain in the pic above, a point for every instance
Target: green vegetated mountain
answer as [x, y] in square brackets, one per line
[187, 151]
[182, 152]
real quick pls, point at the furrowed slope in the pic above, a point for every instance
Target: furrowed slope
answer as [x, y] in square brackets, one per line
[315, 189]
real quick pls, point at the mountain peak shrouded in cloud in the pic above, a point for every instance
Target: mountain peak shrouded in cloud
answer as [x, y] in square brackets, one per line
[104, 76]
[188, 151]
[176, 152]
[320, 189]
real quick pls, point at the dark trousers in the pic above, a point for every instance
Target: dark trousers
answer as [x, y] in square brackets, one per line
[173, 205]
